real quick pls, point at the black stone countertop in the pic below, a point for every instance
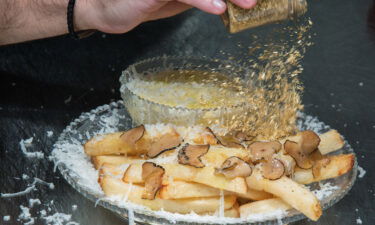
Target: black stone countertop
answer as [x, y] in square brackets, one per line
[38, 79]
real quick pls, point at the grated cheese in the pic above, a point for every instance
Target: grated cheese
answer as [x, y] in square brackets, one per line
[325, 190]
[28, 189]
[33, 202]
[26, 143]
[25, 216]
[6, 218]
[49, 133]
[361, 171]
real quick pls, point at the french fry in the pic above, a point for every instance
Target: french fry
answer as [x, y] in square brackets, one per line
[133, 174]
[263, 207]
[296, 195]
[115, 171]
[231, 213]
[98, 161]
[182, 189]
[113, 144]
[330, 141]
[218, 154]
[133, 193]
[337, 166]
[205, 176]
[255, 195]
[188, 173]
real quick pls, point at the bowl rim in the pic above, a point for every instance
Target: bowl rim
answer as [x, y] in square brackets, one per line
[124, 76]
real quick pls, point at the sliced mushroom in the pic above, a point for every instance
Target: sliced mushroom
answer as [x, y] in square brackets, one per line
[166, 142]
[191, 155]
[234, 167]
[228, 140]
[152, 174]
[288, 162]
[309, 141]
[316, 155]
[293, 149]
[273, 169]
[133, 135]
[318, 165]
[263, 150]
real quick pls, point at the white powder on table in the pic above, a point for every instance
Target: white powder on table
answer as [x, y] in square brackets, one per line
[6, 218]
[33, 202]
[361, 171]
[27, 143]
[49, 133]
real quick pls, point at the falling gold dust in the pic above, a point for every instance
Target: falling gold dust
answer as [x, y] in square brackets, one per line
[276, 97]
[271, 88]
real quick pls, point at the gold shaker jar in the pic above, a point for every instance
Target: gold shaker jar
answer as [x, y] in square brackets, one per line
[266, 11]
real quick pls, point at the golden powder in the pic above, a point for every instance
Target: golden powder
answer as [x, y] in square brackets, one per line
[261, 97]
[276, 98]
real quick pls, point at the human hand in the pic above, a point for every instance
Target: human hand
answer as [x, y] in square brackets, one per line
[120, 16]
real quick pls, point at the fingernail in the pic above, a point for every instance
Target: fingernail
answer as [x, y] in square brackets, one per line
[250, 2]
[218, 4]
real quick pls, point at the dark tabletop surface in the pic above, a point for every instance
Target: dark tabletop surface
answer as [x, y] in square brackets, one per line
[45, 84]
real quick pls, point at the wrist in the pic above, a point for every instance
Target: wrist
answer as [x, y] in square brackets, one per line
[83, 19]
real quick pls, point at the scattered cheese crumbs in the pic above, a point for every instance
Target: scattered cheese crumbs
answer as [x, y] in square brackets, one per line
[131, 217]
[49, 133]
[74, 207]
[267, 216]
[66, 101]
[25, 216]
[28, 189]
[325, 190]
[58, 219]
[33, 202]
[43, 212]
[27, 143]
[359, 221]
[6, 218]
[361, 171]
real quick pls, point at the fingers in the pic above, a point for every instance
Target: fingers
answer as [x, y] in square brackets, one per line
[246, 4]
[211, 6]
[170, 9]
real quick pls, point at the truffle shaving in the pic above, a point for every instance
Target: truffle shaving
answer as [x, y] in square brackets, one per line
[273, 169]
[133, 135]
[191, 155]
[234, 167]
[293, 149]
[166, 142]
[152, 175]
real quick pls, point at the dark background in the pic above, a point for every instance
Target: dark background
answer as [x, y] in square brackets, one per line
[38, 78]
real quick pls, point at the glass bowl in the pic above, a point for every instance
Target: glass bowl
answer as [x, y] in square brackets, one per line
[193, 91]
[77, 170]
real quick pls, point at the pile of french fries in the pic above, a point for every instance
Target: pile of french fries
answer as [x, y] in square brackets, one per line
[208, 173]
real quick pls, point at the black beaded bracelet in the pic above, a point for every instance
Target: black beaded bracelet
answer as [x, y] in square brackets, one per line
[70, 21]
[70, 17]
